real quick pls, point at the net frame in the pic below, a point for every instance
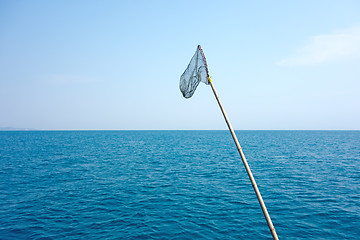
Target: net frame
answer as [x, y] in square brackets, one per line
[206, 66]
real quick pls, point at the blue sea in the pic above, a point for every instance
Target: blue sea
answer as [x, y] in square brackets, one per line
[178, 184]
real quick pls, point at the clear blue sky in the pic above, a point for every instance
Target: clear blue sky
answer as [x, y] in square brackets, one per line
[117, 64]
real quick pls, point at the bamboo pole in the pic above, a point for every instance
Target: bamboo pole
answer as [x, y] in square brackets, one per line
[252, 179]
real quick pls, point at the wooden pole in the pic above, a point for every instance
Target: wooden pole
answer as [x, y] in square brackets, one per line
[252, 179]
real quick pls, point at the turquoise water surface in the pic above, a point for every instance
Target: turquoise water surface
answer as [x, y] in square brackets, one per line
[178, 184]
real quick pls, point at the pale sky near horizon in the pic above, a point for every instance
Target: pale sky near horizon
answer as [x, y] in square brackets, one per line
[277, 65]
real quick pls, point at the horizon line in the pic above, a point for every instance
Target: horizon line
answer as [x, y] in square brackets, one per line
[31, 129]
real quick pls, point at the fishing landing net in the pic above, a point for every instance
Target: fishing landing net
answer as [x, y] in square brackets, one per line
[196, 72]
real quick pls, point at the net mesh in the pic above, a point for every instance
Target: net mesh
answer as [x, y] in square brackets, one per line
[195, 73]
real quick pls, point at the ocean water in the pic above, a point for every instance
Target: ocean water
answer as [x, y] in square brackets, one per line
[178, 184]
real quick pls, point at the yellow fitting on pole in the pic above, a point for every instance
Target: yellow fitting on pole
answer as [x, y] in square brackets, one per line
[209, 79]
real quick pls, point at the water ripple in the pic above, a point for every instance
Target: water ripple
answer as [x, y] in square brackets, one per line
[178, 185]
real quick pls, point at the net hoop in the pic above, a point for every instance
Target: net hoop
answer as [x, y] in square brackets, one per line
[206, 66]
